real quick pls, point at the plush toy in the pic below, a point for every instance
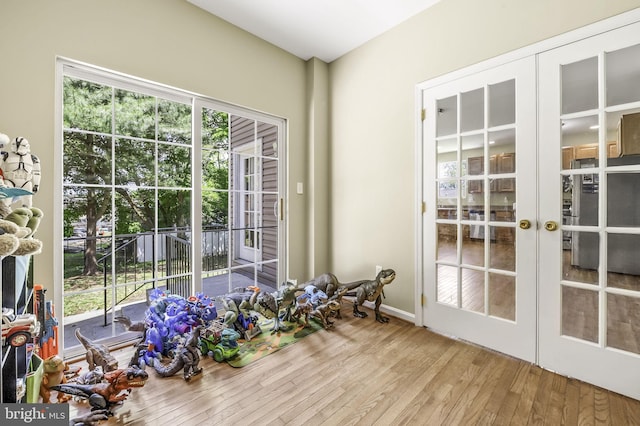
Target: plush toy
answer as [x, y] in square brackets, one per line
[21, 216]
[9, 242]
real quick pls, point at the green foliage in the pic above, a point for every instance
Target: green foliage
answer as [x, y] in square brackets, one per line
[153, 149]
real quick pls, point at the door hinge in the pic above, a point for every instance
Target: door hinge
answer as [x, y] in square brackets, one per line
[423, 114]
[423, 299]
[424, 207]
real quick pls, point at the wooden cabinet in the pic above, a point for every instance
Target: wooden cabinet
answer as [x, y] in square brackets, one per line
[587, 150]
[568, 154]
[499, 163]
[506, 163]
[475, 165]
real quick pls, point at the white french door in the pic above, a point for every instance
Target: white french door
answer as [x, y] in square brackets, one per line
[590, 186]
[532, 227]
[480, 242]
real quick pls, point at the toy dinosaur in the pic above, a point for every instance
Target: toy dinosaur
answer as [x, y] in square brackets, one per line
[238, 305]
[107, 395]
[371, 290]
[324, 312]
[270, 305]
[89, 419]
[186, 358]
[97, 354]
[53, 374]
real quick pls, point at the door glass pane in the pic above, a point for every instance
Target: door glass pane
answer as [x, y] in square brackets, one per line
[584, 198]
[623, 323]
[580, 313]
[580, 263]
[623, 265]
[447, 237]
[502, 250]
[580, 85]
[502, 145]
[502, 296]
[472, 110]
[447, 121]
[623, 79]
[473, 164]
[502, 103]
[473, 250]
[447, 191]
[472, 290]
[623, 192]
[580, 142]
[623, 137]
[447, 285]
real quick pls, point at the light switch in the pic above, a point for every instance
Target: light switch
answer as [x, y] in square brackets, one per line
[299, 189]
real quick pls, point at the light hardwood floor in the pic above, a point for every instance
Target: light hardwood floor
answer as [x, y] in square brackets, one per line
[365, 373]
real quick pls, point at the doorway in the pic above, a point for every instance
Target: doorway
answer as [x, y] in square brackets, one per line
[539, 260]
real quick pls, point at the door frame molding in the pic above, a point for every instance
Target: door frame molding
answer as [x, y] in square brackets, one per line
[420, 205]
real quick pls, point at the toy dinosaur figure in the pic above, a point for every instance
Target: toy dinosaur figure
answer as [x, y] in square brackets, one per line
[238, 305]
[371, 290]
[97, 354]
[92, 418]
[107, 394]
[53, 369]
[324, 312]
[187, 358]
[270, 305]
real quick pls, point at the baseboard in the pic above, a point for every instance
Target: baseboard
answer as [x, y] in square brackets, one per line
[394, 312]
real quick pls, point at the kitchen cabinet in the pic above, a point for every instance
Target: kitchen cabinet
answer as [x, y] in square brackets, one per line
[588, 150]
[475, 167]
[16, 295]
[498, 164]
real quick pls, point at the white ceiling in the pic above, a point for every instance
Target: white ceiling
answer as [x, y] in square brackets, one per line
[325, 29]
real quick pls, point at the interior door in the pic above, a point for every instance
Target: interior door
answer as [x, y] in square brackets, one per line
[480, 237]
[590, 206]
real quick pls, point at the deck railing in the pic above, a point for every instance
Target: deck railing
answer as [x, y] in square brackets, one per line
[137, 264]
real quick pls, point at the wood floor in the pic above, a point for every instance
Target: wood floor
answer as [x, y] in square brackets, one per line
[365, 373]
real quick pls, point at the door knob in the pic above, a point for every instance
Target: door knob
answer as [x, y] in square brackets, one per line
[524, 224]
[550, 225]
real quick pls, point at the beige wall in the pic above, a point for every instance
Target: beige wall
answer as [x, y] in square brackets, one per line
[373, 119]
[362, 184]
[167, 41]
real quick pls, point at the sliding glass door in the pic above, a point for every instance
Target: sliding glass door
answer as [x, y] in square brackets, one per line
[161, 189]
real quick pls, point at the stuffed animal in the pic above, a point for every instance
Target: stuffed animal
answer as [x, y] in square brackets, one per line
[21, 216]
[9, 242]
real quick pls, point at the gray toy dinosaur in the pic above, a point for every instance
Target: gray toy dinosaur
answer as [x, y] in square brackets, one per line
[187, 358]
[97, 354]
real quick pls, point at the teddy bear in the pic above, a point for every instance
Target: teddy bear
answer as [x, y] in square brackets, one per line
[27, 221]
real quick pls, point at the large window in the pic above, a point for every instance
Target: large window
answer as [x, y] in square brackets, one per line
[160, 189]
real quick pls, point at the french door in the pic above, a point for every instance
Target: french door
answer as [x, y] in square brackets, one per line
[532, 247]
[590, 187]
[480, 270]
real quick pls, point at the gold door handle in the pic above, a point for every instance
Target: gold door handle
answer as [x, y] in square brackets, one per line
[550, 225]
[524, 224]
